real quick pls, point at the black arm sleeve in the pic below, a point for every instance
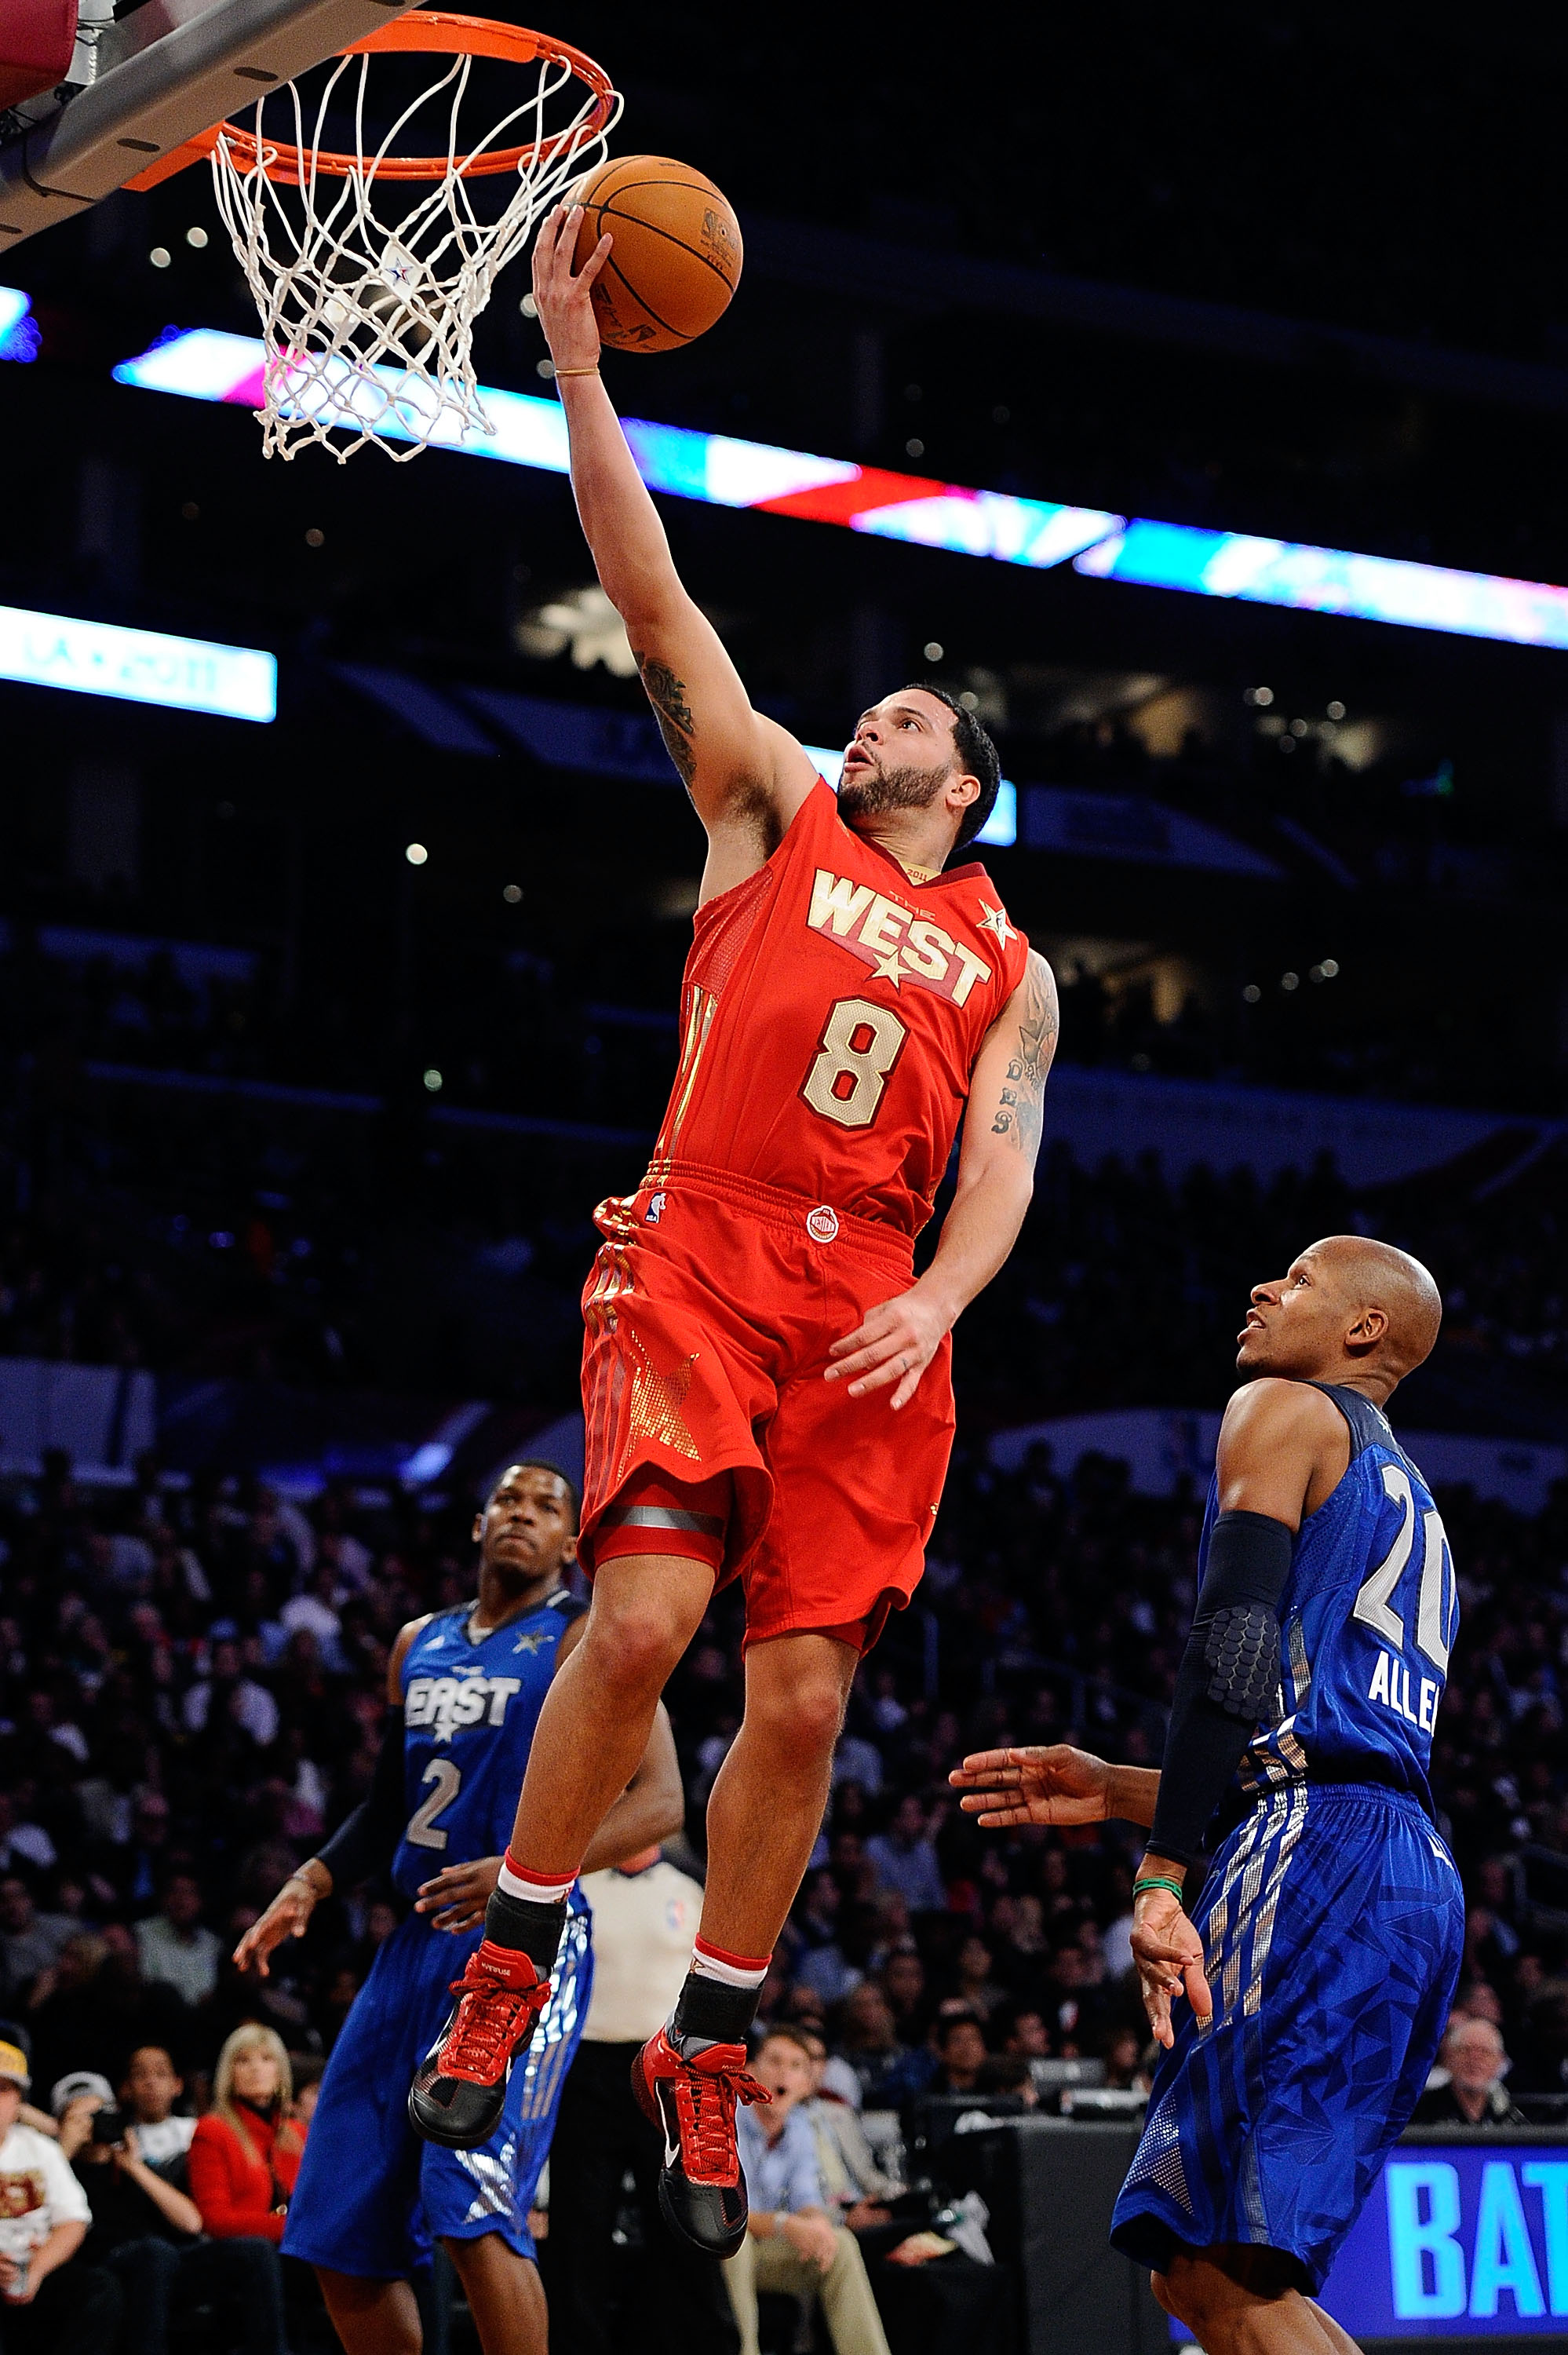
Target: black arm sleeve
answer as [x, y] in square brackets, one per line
[367, 1839]
[1228, 1681]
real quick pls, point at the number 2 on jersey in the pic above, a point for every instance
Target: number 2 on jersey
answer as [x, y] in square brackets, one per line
[860, 1046]
[448, 1780]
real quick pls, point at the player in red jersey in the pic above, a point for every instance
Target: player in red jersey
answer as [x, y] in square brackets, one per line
[766, 1385]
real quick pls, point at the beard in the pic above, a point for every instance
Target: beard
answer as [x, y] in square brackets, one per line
[881, 788]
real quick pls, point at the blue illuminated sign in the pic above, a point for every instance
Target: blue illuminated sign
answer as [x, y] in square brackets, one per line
[137, 666]
[204, 364]
[1460, 2240]
[19, 337]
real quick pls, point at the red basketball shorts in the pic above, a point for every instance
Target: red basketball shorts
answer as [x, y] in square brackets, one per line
[710, 1429]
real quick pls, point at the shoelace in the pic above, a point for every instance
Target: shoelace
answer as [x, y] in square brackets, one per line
[485, 2028]
[705, 2107]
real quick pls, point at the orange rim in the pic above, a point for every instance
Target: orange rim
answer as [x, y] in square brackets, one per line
[441, 32]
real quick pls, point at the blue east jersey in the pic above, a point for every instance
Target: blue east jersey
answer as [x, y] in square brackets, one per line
[469, 1715]
[371, 2195]
[1367, 1622]
[1332, 1917]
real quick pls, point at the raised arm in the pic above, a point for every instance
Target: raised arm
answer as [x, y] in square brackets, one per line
[897, 1340]
[746, 776]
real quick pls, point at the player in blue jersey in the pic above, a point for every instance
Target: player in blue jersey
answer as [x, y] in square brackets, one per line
[1320, 1959]
[463, 1693]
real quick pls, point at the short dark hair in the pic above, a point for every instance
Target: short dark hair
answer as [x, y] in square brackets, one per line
[947, 2020]
[538, 1464]
[976, 757]
[780, 2033]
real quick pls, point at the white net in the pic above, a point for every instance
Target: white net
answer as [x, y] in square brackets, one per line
[369, 273]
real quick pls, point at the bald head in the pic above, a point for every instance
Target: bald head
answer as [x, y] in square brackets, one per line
[1350, 1309]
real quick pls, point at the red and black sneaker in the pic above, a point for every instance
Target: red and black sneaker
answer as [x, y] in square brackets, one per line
[459, 2089]
[702, 2190]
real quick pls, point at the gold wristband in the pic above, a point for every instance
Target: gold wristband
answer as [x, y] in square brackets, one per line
[589, 371]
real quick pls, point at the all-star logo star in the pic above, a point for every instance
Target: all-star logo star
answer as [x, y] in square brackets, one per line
[890, 969]
[995, 920]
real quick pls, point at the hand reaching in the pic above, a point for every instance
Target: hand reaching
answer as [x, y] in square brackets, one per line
[563, 298]
[1057, 1785]
[288, 1917]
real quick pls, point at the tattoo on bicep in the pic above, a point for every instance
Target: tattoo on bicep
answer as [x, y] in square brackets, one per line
[1022, 1114]
[667, 694]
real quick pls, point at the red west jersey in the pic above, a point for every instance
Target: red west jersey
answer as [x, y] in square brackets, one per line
[830, 1014]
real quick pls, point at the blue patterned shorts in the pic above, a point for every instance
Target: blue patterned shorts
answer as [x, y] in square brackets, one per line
[1333, 1924]
[371, 2195]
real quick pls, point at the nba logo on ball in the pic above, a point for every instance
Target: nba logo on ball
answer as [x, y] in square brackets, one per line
[822, 1224]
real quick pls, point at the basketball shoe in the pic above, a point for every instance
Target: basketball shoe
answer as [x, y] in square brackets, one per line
[691, 2095]
[459, 2087]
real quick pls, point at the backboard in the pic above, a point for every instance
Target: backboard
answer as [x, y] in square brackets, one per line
[138, 87]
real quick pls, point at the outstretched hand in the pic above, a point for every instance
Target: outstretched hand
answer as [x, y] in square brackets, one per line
[1055, 1784]
[288, 1917]
[1169, 1954]
[562, 296]
[894, 1342]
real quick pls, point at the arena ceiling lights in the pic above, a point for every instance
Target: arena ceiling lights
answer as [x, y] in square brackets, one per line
[204, 365]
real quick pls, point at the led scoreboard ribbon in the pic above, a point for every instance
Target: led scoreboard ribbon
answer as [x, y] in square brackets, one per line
[716, 468]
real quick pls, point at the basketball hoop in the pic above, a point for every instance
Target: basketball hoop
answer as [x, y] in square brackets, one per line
[367, 315]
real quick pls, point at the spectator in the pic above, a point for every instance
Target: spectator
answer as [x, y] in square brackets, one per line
[645, 1913]
[1009, 2075]
[228, 1696]
[858, 1761]
[245, 2154]
[889, 2073]
[1473, 2056]
[1126, 2068]
[49, 2300]
[23, 1843]
[151, 2089]
[94, 2009]
[973, 1983]
[148, 2234]
[904, 1859]
[903, 1983]
[960, 2054]
[1025, 2033]
[174, 1947]
[30, 1942]
[856, 2188]
[307, 2072]
[791, 2244]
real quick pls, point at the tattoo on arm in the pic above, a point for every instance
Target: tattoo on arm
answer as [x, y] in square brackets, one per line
[1020, 1112]
[667, 694]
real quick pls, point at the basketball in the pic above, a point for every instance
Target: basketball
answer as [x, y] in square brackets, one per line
[677, 254]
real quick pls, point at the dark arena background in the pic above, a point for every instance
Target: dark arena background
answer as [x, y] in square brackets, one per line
[345, 894]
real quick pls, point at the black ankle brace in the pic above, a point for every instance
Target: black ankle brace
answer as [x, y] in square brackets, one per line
[525, 1927]
[713, 2012]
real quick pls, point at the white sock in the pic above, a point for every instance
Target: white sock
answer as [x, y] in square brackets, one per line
[732, 1970]
[531, 1888]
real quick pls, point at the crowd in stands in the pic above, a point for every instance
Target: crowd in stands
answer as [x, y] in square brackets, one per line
[190, 1697]
[1124, 1288]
